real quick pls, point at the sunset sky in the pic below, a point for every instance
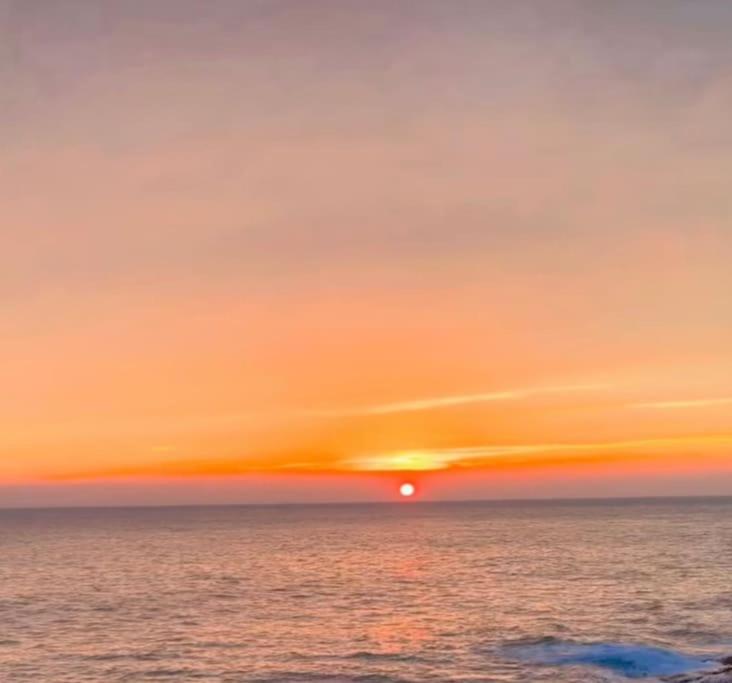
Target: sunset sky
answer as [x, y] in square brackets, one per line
[286, 250]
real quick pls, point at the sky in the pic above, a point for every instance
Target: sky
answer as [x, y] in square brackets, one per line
[280, 251]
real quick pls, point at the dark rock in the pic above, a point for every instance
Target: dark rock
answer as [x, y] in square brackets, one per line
[723, 675]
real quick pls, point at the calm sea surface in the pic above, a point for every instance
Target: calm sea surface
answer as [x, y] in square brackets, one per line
[372, 593]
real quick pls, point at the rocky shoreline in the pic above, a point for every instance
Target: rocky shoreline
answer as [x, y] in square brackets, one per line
[722, 675]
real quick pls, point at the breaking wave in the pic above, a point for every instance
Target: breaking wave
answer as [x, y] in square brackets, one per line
[631, 661]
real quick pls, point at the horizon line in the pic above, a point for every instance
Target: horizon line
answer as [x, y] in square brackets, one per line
[400, 503]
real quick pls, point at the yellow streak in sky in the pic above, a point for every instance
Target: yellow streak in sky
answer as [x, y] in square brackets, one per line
[437, 459]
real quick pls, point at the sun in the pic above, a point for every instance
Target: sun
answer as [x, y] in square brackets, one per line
[407, 490]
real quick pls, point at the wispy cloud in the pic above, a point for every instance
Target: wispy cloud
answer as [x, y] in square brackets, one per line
[193, 423]
[437, 402]
[693, 403]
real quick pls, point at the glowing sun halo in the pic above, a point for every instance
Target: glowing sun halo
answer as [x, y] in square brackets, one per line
[406, 490]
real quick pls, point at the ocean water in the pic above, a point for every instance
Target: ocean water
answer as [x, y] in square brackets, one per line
[561, 591]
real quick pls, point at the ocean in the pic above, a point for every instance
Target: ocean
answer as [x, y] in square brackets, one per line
[576, 592]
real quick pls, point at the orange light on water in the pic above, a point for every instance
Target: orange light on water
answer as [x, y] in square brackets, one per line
[407, 490]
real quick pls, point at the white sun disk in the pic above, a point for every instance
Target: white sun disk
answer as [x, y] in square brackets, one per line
[406, 490]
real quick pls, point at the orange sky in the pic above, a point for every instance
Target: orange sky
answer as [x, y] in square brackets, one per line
[275, 251]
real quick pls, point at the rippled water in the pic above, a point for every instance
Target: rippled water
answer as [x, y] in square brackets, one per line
[413, 592]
